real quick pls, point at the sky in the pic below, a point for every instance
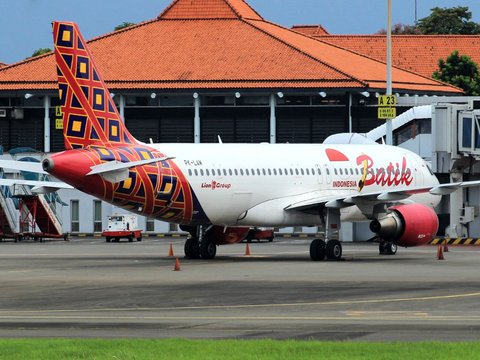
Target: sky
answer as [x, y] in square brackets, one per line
[25, 24]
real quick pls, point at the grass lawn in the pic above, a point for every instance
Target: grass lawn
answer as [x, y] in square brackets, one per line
[52, 349]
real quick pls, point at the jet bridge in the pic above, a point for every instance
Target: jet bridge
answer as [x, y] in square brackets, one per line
[445, 131]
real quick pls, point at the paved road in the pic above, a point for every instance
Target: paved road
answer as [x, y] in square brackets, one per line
[88, 288]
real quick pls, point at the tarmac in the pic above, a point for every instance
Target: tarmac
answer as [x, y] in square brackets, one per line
[88, 288]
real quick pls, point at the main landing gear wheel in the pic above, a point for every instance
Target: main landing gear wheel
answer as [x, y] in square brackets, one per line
[192, 248]
[317, 250]
[387, 248]
[334, 250]
[208, 249]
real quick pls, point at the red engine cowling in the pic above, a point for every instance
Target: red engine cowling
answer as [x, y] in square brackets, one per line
[230, 235]
[407, 225]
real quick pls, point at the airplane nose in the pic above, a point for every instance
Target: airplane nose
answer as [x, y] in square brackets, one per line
[47, 164]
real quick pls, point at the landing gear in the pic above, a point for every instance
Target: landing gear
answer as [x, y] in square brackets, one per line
[334, 250]
[192, 248]
[200, 244]
[208, 249]
[317, 250]
[387, 248]
[330, 248]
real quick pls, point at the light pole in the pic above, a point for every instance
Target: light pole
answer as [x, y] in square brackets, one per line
[389, 127]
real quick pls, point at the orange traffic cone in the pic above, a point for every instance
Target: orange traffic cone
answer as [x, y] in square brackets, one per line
[177, 265]
[445, 245]
[247, 250]
[170, 251]
[440, 253]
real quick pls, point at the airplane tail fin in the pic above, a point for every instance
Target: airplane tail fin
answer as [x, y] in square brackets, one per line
[90, 116]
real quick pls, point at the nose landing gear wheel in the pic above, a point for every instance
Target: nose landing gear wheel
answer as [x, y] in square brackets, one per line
[387, 248]
[334, 250]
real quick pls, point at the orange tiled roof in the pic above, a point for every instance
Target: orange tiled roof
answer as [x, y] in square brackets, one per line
[2, 65]
[209, 9]
[417, 53]
[234, 48]
[310, 30]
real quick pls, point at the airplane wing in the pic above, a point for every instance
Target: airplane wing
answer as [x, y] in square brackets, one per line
[116, 171]
[40, 187]
[389, 196]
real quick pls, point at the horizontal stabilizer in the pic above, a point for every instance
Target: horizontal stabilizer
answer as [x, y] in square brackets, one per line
[39, 187]
[35, 167]
[116, 171]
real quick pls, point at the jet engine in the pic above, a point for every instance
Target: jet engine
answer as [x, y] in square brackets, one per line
[407, 225]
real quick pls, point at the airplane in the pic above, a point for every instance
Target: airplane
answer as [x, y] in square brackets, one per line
[218, 192]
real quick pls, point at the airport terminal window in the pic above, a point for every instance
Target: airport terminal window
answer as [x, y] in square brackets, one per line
[75, 215]
[150, 224]
[97, 216]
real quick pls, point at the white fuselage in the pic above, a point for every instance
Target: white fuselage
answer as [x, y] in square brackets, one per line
[252, 184]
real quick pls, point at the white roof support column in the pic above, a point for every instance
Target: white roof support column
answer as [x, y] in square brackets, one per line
[196, 119]
[273, 120]
[121, 106]
[46, 124]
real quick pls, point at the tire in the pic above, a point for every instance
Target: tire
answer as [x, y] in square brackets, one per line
[192, 249]
[387, 248]
[334, 250]
[139, 238]
[208, 250]
[108, 238]
[317, 250]
[130, 238]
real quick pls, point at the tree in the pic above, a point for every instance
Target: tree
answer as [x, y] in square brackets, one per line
[123, 25]
[449, 21]
[461, 71]
[40, 51]
[402, 29]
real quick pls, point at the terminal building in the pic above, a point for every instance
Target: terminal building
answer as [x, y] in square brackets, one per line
[200, 70]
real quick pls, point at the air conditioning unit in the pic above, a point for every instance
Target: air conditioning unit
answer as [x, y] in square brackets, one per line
[474, 104]
[3, 113]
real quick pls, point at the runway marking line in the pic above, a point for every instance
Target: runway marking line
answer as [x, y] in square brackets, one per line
[251, 306]
[469, 318]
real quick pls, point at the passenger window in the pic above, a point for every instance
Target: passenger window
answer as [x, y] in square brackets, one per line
[236, 172]
[275, 172]
[308, 171]
[341, 171]
[303, 172]
[196, 172]
[335, 171]
[190, 172]
[241, 172]
[280, 171]
[264, 172]
[296, 172]
[258, 172]
[207, 172]
[225, 172]
[269, 172]
[201, 172]
[230, 172]
[247, 172]
[291, 171]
